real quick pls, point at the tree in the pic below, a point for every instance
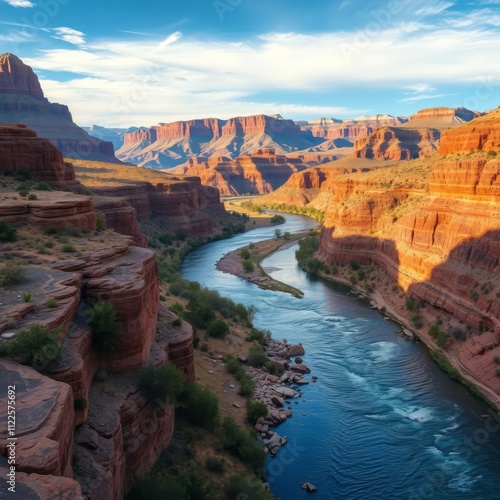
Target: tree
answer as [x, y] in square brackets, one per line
[277, 233]
[105, 326]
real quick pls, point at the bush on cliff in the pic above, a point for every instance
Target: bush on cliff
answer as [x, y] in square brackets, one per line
[256, 355]
[261, 336]
[105, 326]
[11, 274]
[246, 487]
[201, 407]
[245, 380]
[36, 346]
[7, 232]
[165, 382]
[243, 444]
[218, 328]
[255, 410]
[248, 266]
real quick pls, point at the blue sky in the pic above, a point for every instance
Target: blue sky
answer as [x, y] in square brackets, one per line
[119, 63]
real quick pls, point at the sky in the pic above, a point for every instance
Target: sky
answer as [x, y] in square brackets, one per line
[120, 64]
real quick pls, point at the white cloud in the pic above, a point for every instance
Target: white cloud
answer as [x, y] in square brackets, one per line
[70, 35]
[476, 18]
[129, 82]
[423, 97]
[420, 88]
[20, 3]
[434, 8]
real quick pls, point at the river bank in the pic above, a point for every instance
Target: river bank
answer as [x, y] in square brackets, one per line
[388, 298]
[234, 263]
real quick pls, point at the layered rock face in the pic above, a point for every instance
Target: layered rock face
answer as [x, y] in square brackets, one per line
[443, 248]
[22, 101]
[330, 128]
[394, 143]
[181, 203]
[484, 136]
[312, 187]
[170, 144]
[258, 173]
[443, 116]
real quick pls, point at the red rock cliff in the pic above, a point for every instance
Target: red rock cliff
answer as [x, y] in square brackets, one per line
[443, 247]
[17, 78]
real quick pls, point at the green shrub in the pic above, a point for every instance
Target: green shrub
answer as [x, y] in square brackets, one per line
[255, 410]
[163, 298]
[410, 304]
[50, 230]
[274, 368]
[68, 248]
[177, 308]
[27, 297]
[165, 382]
[242, 487]
[245, 254]
[436, 333]
[243, 445]
[218, 328]
[491, 152]
[474, 295]
[277, 219]
[52, 302]
[42, 186]
[12, 273]
[105, 326]
[7, 232]
[416, 319]
[36, 346]
[261, 336]
[256, 355]
[202, 407]
[248, 266]
[354, 265]
[24, 193]
[32, 197]
[100, 223]
[246, 385]
[232, 364]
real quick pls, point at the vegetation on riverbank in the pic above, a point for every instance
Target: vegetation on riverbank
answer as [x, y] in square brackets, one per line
[212, 467]
[246, 263]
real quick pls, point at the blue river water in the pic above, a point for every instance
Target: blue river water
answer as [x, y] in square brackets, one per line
[382, 421]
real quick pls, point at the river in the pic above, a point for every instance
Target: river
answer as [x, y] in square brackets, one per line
[382, 421]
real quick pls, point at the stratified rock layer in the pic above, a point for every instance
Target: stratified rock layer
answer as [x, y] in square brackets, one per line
[442, 247]
[258, 173]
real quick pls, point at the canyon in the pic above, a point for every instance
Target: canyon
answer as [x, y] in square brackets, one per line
[260, 172]
[22, 101]
[80, 438]
[437, 238]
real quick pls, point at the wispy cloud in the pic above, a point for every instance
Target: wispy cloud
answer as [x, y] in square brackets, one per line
[139, 33]
[476, 18]
[423, 97]
[70, 35]
[434, 9]
[20, 3]
[420, 88]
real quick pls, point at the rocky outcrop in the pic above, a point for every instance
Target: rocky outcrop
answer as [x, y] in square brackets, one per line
[352, 130]
[181, 203]
[440, 242]
[22, 101]
[17, 78]
[44, 423]
[443, 116]
[481, 134]
[258, 173]
[311, 187]
[394, 143]
[55, 209]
